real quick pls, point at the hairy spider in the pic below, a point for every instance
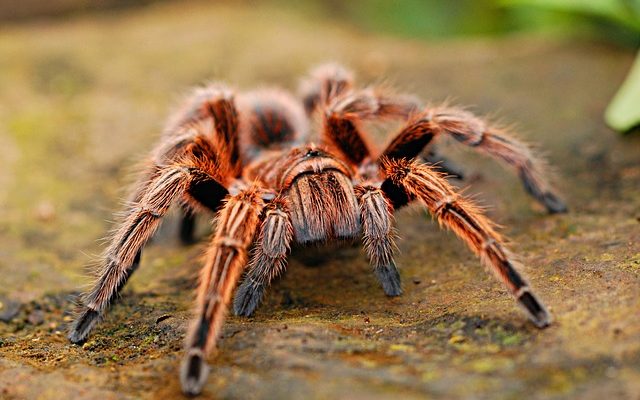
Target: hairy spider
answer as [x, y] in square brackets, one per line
[249, 159]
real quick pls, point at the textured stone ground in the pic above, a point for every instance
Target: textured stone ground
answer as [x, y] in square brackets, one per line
[81, 100]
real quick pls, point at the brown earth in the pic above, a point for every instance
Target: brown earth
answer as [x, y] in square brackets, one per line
[81, 100]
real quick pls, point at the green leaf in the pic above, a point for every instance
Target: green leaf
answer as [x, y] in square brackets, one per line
[623, 113]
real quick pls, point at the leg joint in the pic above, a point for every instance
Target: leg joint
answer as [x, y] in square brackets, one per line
[276, 213]
[445, 204]
[475, 140]
[230, 242]
[144, 211]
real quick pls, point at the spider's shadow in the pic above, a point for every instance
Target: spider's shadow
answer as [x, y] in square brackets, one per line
[316, 255]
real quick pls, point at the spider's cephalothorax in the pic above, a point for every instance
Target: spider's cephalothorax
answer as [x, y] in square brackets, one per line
[249, 159]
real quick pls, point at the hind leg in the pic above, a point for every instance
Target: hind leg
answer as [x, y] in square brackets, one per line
[482, 137]
[376, 213]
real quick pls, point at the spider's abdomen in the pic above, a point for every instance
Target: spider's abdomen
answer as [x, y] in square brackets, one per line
[272, 119]
[323, 207]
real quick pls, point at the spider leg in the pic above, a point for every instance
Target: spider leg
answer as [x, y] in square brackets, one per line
[209, 111]
[269, 258]
[330, 89]
[330, 81]
[227, 255]
[377, 224]
[344, 116]
[469, 224]
[123, 255]
[271, 119]
[194, 163]
[342, 127]
[324, 83]
[474, 132]
[208, 116]
[205, 126]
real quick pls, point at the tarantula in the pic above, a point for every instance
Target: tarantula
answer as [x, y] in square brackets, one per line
[249, 159]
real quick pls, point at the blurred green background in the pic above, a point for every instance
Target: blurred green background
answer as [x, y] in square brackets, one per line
[613, 21]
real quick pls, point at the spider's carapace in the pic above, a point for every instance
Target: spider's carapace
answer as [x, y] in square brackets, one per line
[249, 157]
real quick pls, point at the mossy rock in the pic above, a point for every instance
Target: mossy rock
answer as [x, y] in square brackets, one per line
[82, 100]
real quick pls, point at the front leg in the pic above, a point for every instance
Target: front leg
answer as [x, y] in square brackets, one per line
[269, 258]
[225, 260]
[123, 256]
[469, 224]
[376, 212]
[151, 201]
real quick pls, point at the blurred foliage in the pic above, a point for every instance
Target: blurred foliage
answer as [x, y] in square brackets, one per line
[616, 20]
[623, 114]
[623, 16]
[12, 10]
[621, 12]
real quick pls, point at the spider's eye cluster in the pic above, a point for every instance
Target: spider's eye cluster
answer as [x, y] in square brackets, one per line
[313, 153]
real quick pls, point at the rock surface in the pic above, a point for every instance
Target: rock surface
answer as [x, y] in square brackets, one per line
[82, 100]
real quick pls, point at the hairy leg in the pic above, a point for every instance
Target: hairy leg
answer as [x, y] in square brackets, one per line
[123, 255]
[269, 258]
[271, 119]
[323, 84]
[469, 224]
[343, 118]
[377, 225]
[208, 111]
[207, 115]
[330, 89]
[476, 133]
[204, 129]
[192, 163]
[225, 260]
[328, 82]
